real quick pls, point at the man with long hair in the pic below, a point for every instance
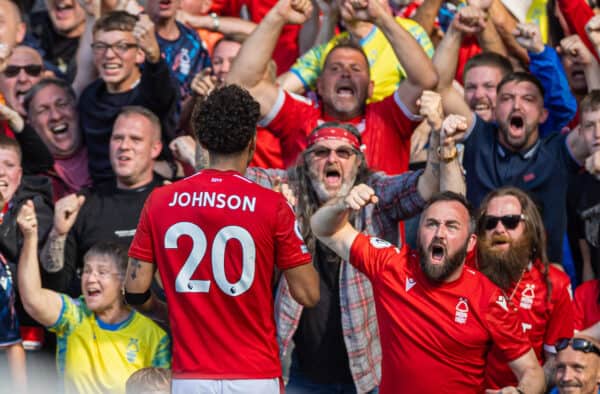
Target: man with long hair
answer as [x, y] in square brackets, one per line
[512, 254]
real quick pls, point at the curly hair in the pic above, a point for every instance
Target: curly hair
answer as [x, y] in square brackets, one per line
[225, 121]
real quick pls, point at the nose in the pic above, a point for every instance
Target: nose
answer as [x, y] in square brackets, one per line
[332, 157]
[54, 113]
[479, 92]
[567, 374]
[22, 76]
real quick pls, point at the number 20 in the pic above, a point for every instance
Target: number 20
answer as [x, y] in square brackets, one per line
[183, 281]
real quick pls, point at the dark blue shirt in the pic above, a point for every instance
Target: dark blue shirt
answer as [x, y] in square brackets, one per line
[186, 56]
[542, 171]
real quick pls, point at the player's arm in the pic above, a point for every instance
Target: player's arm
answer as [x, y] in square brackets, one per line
[42, 304]
[137, 290]
[250, 64]
[529, 373]
[303, 282]
[330, 223]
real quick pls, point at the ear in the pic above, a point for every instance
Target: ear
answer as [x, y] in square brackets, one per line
[140, 56]
[252, 146]
[370, 89]
[544, 115]
[471, 242]
[21, 29]
[156, 149]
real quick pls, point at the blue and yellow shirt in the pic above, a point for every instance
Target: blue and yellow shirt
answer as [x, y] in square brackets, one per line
[386, 70]
[96, 357]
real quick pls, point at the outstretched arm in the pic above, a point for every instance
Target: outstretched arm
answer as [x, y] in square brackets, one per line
[330, 223]
[42, 304]
[248, 68]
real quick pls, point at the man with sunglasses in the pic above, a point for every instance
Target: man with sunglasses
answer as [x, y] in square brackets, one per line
[577, 365]
[121, 44]
[512, 253]
[24, 68]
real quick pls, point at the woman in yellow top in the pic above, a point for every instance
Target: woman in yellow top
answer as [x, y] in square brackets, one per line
[100, 340]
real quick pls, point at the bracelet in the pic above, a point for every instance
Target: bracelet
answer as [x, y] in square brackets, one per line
[215, 19]
[447, 158]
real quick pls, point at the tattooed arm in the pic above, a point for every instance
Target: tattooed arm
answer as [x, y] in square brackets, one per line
[137, 290]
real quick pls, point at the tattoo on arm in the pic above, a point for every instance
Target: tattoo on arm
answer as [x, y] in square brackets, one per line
[53, 253]
[135, 266]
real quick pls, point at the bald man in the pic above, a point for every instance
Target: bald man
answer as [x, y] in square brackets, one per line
[12, 27]
[23, 69]
[577, 365]
[112, 211]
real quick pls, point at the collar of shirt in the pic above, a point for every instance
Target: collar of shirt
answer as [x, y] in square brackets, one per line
[525, 155]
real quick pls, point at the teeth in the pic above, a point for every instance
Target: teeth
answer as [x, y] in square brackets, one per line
[59, 128]
[3, 184]
[111, 66]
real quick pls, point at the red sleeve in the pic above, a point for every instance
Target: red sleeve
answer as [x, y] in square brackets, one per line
[560, 321]
[578, 308]
[142, 245]
[370, 254]
[290, 120]
[577, 13]
[503, 323]
[226, 7]
[587, 309]
[290, 250]
[468, 48]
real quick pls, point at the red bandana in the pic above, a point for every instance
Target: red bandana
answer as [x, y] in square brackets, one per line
[333, 133]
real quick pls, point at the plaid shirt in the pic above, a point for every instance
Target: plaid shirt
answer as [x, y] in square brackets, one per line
[398, 200]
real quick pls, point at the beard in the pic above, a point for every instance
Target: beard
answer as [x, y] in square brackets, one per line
[504, 267]
[440, 272]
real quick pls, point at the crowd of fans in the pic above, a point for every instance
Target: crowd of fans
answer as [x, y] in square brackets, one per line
[478, 119]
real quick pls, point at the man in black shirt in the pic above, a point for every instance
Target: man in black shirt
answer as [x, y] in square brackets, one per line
[110, 212]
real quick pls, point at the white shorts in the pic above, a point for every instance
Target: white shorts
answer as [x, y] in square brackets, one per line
[225, 386]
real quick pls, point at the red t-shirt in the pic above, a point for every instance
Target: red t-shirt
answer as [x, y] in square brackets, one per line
[434, 336]
[586, 305]
[268, 150]
[216, 238]
[287, 50]
[542, 321]
[386, 129]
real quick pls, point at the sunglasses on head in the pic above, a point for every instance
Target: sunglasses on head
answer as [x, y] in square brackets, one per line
[342, 152]
[33, 70]
[510, 222]
[580, 344]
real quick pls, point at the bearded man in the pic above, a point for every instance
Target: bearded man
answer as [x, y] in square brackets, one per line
[512, 254]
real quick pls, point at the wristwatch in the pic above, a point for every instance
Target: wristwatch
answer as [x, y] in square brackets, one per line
[215, 19]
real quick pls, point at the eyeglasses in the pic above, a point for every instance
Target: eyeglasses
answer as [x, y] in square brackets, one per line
[102, 274]
[120, 48]
[580, 344]
[510, 222]
[342, 152]
[33, 70]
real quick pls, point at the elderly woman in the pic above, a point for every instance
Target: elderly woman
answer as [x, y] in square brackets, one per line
[101, 341]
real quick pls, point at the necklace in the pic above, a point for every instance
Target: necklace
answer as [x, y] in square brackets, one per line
[517, 285]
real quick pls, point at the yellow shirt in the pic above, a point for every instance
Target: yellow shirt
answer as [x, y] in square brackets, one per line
[96, 357]
[386, 70]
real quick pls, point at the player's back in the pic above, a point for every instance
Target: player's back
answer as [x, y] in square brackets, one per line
[216, 238]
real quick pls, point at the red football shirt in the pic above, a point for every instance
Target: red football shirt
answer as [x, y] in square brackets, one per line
[268, 150]
[543, 321]
[434, 336]
[216, 238]
[386, 128]
[586, 305]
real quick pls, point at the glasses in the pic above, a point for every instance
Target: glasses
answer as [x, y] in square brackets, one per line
[342, 152]
[580, 344]
[510, 222]
[101, 274]
[120, 48]
[33, 70]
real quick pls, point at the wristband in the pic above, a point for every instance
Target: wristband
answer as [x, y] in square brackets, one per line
[215, 20]
[137, 298]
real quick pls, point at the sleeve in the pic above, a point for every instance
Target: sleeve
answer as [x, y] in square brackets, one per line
[162, 353]
[36, 156]
[503, 324]
[577, 13]
[308, 66]
[370, 255]
[71, 315]
[558, 99]
[290, 250]
[581, 297]
[399, 198]
[142, 246]
[561, 320]
[287, 120]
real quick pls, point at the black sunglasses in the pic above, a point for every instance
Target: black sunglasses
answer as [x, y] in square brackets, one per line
[33, 70]
[510, 222]
[342, 152]
[583, 345]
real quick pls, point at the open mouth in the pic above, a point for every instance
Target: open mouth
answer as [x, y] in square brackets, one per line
[332, 177]
[164, 4]
[3, 184]
[93, 292]
[59, 129]
[62, 9]
[20, 96]
[437, 253]
[516, 123]
[345, 89]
